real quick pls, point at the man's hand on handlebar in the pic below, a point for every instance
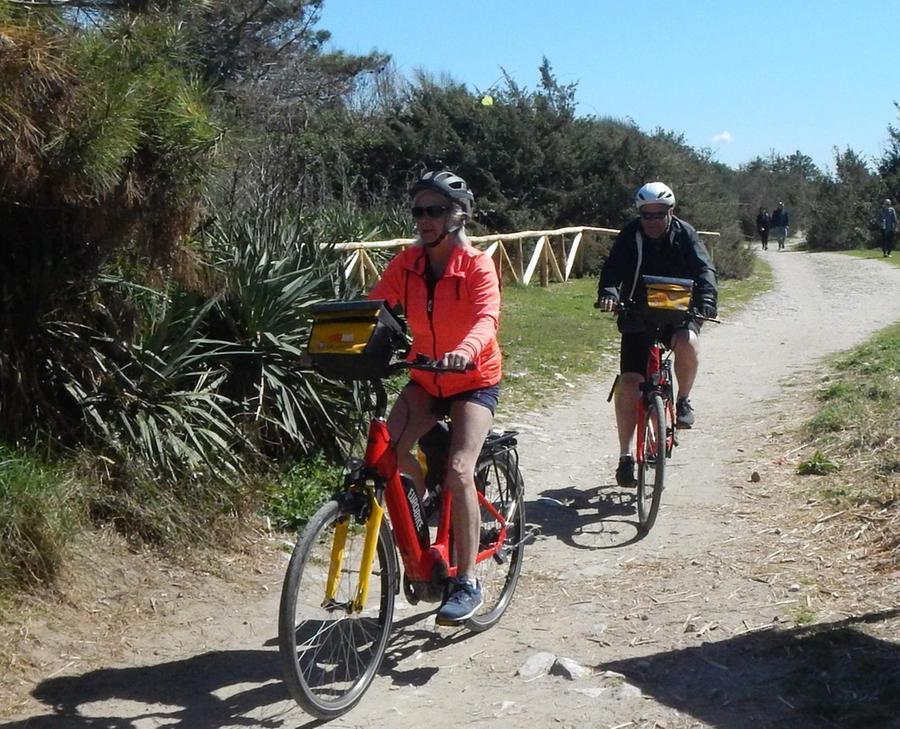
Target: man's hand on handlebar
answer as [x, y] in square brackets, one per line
[607, 303]
[707, 311]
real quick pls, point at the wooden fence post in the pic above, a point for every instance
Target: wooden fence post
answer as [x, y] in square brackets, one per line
[536, 259]
[573, 254]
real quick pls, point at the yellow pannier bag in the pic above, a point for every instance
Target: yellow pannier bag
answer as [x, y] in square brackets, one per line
[354, 340]
[668, 299]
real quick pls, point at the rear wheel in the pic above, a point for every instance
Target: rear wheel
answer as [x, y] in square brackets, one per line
[652, 467]
[329, 653]
[499, 480]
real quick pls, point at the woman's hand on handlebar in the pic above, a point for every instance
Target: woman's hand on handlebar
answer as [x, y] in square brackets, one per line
[450, 362]
[456, 362]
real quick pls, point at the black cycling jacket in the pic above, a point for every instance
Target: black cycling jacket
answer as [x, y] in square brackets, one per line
[679, 254]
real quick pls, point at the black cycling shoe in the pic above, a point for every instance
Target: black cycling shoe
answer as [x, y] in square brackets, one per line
[625, 472]
[684, 413]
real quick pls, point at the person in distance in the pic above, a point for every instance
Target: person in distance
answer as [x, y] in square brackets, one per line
[763, 223]
[888, 224]
[780, 224]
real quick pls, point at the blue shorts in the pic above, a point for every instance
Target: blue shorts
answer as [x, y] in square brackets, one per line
[485, 396]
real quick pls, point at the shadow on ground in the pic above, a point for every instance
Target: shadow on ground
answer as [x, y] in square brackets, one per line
[215, 689]
[210, 690]
[595, 517]
[817, 677]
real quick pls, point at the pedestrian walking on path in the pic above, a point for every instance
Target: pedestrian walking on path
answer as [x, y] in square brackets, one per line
[888, 224]
[780, 224]
[763, 224]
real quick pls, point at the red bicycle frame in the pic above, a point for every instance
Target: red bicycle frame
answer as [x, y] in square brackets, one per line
[658, 379]
[420, 564]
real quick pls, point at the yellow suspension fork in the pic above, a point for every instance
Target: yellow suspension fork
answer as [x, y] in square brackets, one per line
[373, 529]
[338, 546]
[337, 558]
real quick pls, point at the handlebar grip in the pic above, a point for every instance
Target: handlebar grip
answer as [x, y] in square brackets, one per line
[468, 368]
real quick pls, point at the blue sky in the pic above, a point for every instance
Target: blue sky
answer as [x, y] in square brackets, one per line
[739, 78]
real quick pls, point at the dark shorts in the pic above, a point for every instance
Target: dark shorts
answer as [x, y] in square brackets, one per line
[636, 346]
[485, 396]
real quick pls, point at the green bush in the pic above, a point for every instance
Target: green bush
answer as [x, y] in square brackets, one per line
[300, 491]
[105, 150]
[732, 256]
[39, 509]
[846, 206]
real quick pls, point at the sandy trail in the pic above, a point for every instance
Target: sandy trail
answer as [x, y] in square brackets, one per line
[696, 621]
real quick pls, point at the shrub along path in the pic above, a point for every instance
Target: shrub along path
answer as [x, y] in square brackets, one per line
[740, 610]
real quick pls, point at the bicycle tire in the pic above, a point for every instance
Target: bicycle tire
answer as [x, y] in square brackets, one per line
[652, 468]
[499, 479]
[316, 643]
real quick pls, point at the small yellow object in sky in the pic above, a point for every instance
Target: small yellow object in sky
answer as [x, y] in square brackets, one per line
[487, 100]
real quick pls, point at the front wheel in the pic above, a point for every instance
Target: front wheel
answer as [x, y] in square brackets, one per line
[498, 479]
[329, 652]
[652, 464]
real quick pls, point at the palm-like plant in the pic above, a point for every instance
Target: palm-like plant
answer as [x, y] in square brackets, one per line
[258, 328]
[155, 402]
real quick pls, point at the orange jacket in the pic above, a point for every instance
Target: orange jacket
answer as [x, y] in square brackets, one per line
[463, 317]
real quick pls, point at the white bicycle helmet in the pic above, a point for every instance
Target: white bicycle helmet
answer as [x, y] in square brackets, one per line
[654, 193]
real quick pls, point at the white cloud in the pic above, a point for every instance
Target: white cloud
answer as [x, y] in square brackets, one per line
[723, 137]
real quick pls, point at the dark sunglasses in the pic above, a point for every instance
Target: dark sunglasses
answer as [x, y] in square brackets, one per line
[432, 211]
[654, 216]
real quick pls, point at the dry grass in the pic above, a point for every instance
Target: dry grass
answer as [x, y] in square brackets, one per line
[854, 429]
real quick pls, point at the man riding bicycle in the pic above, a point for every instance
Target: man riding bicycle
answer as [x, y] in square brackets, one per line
[656, 243]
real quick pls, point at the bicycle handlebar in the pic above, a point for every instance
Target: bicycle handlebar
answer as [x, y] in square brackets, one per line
[623, 306]
[425, 363]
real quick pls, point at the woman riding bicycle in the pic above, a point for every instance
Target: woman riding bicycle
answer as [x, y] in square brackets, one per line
[656, 243]
[450, 294]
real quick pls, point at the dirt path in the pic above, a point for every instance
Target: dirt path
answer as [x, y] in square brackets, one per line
[693, 626]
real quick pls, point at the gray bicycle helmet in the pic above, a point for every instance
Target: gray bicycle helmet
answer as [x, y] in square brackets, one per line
[448, 184]
[654, 193]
